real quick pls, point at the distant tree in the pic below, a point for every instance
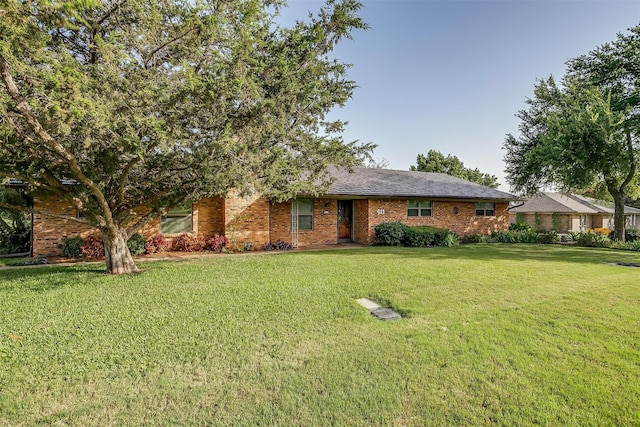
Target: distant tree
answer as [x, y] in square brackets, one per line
[435, 161]
[377, 163]
[583, 135]
[146, 105]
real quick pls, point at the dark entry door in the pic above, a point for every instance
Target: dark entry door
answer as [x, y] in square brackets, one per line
[345, 217]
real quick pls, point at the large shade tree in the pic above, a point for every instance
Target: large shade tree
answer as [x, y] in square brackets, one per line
[119, 106]
[583, 134]
[435, 161]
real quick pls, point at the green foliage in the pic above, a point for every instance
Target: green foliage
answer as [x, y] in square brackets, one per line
[391, 233]
[548, 237]
[536, 222]
[513, 237]
[16, 239]
[474, 238]
[590, 239]
[583, 134]
[145, 105]
[556, 222]
[415, 237]
[15, 225]
[450, 239]
[435, 161]
[136, 244]
[519, 218]
[399, 234]
[71, 247]
[630, 235]
[519, 226]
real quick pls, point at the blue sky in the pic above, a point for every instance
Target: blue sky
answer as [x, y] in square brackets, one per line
[450, 75]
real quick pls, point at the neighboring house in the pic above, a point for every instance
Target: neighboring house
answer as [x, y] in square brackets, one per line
[572, 212]
[355, 203]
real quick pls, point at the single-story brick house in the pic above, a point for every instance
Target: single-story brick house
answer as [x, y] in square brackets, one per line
[573, 212]
[354, 204]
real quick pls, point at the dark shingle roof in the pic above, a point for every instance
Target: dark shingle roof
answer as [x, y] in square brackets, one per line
[372, 182]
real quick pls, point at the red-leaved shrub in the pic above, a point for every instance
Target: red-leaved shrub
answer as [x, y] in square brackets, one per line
[188, 243]
[156, 244]
[92, 246]
[215, 243]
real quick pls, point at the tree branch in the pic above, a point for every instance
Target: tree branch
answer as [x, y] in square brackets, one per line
[25, 110]
[124, 177]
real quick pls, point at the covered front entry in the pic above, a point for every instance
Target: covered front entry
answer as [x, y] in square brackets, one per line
[345, 220]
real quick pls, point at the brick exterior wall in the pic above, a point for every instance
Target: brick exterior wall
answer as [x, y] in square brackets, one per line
[207, 220]
[325, 225]
[361, 231]
[457, 216]
[247, 221]
[254, 219]
[48, 231]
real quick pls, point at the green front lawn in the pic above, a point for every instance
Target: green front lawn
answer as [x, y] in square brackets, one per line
[492, 334]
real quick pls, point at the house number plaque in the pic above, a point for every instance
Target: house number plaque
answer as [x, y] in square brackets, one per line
[380, 211]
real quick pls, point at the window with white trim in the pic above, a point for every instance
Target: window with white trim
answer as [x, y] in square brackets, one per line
[419, 207]
[485, 209]
[305, 213]
[178, 220]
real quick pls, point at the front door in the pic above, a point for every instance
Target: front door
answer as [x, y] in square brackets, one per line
[345, 217]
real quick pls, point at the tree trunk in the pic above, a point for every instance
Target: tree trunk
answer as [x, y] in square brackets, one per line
[116, 252]
[618, 217]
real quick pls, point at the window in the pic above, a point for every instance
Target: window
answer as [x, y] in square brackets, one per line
[302, 213]
[419, 207]
[177, 221]
[485, 209]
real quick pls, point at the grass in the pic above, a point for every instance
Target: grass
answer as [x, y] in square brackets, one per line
[492, 334]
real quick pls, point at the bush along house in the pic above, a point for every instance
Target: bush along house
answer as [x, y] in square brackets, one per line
[350, 210]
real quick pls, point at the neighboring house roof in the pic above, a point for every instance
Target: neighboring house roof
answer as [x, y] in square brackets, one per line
[374, 182]
[568, 203]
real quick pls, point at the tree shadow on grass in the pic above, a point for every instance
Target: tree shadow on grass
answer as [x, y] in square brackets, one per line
[499, 252]
[46, 278]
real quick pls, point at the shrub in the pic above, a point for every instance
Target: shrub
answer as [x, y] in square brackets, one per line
[474, 238]
[629, 235]
[15, 241]
[415, 237]
[391, 233]
[548, 237]
[513, 237]
[519, 226]
[278, 245]
[156, 244]
[92, 246]
[633, 245]
[216, 243]
[600, 230]
[136, 244]
[593, 240]
[450, 239]
[71, 247]
[188, 243]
